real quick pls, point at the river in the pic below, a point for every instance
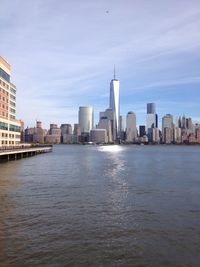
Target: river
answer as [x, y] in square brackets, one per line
[102, 206]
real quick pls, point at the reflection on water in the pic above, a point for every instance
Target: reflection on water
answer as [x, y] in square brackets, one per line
[115, 172]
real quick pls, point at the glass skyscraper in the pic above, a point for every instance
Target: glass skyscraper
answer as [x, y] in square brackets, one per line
[115, 106]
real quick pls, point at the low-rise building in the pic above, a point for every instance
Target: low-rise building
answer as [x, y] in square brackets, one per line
[54, 135]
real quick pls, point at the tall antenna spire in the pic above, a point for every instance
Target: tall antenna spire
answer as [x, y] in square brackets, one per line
[114, 71]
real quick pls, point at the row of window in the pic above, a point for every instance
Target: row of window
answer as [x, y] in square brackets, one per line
[12, 90]
[11, 96]
[4, 114]
[3, 83]
[6, 135]
[3, 91]
[3, 106]
[13, 128]
[6, 100]
[6, 142]
[3, 99]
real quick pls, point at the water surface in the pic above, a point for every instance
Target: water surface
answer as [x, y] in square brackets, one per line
[102, 206]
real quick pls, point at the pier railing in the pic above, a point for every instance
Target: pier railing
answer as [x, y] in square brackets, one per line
[19, 147]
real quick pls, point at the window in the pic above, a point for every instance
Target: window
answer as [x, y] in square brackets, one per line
[12, 117]
[4, 75]
[3, 126]
[12, 110]
[12, 104]
[14, 128]
[13, 97]
[12, 90]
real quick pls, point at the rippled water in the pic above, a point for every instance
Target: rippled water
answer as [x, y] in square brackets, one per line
[102, 206]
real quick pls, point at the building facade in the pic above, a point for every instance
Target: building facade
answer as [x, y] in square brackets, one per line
[86, 119]
[66, 133]
[167, 129]
[131, 130]
[99, 136]
[10, 128]
[54, 134]
[106, 122]
[152, 119]
[142, 130]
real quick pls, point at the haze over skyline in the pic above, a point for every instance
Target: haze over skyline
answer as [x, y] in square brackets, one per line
[62, 56]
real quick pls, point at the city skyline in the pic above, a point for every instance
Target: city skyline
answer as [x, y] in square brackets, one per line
[58, 68]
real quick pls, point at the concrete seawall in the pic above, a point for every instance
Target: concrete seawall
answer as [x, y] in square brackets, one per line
[22, 152]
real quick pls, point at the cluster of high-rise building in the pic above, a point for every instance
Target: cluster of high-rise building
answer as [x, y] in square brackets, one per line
[109, 129]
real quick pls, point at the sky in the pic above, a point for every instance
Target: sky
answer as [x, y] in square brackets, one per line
[62, 55]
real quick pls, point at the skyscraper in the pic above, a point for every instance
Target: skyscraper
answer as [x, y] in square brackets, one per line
[152, 120]
[142, 130]
[167, 128]
[131, 130]
[115, 106]
[106, 122]
[151, 108]
[10, 132]
[86, 119]
[66, 133]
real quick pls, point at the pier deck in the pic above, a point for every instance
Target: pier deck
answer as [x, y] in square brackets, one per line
[12, 153]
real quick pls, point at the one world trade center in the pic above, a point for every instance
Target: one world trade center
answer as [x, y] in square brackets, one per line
[115, 106]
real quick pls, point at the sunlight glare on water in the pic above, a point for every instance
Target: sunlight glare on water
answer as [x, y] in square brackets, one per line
[111, 148]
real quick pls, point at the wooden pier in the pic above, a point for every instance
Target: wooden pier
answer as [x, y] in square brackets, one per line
[14, 153]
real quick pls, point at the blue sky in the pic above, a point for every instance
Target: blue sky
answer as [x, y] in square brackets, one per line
[62, 55]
